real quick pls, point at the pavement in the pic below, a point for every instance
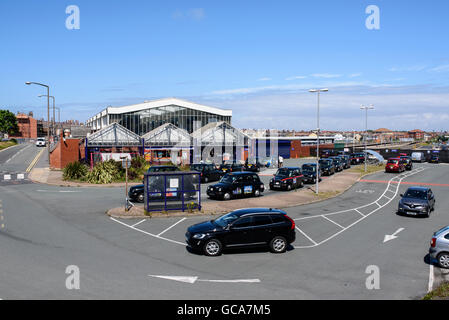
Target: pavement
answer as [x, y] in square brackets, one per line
[45, 229]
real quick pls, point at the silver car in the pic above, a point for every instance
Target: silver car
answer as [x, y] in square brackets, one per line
[439, 247]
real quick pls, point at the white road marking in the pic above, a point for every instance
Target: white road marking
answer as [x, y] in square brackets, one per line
[147, 233]
[396, 186]
[333, 222]
[171, 227]
[393, 236]
[194, 279]
[305, 235]
[136, 224]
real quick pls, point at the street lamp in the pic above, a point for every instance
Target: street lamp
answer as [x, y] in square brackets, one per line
[48, 110]
[366, 108]
[318, 91]
[54, 120]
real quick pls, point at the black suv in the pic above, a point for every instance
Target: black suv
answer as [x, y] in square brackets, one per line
[309, 172]
[417, 201]
[287, 178]
[135, 193]
[243, 228]
[236, 185]
[208, 172]
[327, 167]
[253, 167]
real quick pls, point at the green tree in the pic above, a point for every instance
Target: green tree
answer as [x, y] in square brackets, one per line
[8, 122]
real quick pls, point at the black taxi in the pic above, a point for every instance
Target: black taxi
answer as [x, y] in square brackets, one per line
[236, 185]
[287, 178]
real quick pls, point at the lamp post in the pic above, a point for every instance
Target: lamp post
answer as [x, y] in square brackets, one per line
[54, 120]
[318, 91]
[366, 108]
[48, 111]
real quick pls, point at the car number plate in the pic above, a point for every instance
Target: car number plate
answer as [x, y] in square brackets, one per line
[412, 213]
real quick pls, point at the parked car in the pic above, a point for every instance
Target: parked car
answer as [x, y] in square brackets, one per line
[434, 158]
[236, 185]
[357, 158]
[243, 228]
[309, 172]
[41, 142]
[417, 201]
[346, 161]
[338, 163]
[207, 171]
[232, 167]
[287, 178]
[418, 156]
[253, 167]
[327, 167]
[136, 193]
[408, 162]
[439, 247]
[395, 165]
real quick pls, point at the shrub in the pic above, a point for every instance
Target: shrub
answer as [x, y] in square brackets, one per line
[74, 171]
[106, 172]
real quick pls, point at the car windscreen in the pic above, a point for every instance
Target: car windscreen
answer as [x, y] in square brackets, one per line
[223, 221]
[308, 168]
[283, 172]
[228, 179]
[196, 167]
[416, 194]
[325, 162]
[393, 161]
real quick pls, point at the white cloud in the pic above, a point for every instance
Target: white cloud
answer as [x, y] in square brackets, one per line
[408, 69]
[353, 75]
[326, 75]
[264, 79]
[442, 68]
[295, 78]
[195, 14]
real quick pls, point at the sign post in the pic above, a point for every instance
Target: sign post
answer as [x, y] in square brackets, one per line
[125, 164]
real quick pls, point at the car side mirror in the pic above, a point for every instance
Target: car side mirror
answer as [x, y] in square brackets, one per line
[401, 195]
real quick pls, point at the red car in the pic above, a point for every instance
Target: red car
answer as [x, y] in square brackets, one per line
[395, 165]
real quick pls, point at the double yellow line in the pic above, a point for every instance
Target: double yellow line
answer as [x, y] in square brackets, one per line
[33, 163]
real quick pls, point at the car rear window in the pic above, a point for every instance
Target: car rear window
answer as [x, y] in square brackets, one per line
[277, 218]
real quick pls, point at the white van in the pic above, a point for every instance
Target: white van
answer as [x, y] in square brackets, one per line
[418, 156]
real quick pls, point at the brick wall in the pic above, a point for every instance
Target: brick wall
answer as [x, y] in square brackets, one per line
[65, 152]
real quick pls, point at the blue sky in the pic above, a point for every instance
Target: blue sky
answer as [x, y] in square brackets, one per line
[257, 58]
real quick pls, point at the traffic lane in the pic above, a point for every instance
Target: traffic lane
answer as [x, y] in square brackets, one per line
[6, 154]
[20, 158]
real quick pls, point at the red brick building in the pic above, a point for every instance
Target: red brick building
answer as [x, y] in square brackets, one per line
[27, 126]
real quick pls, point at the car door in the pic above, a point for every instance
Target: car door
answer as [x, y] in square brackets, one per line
[248, 185]
[240, 232]
[262, 229]
[237, 186]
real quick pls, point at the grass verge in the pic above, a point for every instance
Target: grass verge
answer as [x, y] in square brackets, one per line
[440, 293]
[369, 169]
[7, 144]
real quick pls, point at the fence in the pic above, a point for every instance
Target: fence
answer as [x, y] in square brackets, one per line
[177, 190]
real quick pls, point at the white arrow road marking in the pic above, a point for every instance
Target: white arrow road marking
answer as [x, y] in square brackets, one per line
[61, 191]
[393, 236]
[195, 279]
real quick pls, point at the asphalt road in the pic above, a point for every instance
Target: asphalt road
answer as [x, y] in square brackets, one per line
[47, 228]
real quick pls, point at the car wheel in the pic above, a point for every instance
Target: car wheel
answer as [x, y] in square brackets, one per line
[289, 187]
[443, 260]
[278, 244]
[212, 248]
[428, 213]
[140, 198]
[301, 184]
[257, 193]
[227, 196]
[206, 179]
